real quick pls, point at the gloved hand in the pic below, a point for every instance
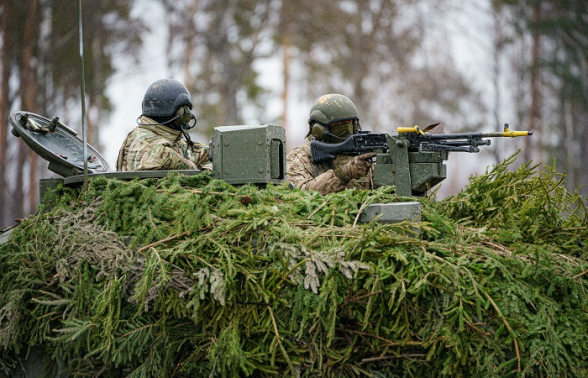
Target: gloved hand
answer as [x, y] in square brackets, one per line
[358, 167]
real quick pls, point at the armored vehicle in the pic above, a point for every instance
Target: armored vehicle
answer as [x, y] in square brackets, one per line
[227, 279]
[241, 154]
[244, 154]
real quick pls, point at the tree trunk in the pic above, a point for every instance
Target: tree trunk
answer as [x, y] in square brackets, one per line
[497, 52]
[578, 160]
[361, 48]
[189, 52]
[286, 25]
[28, 93]
[4, 114]
[535, 112]
[286, 82]
[583, 179]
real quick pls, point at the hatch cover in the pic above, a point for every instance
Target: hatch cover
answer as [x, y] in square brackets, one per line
[56, 143]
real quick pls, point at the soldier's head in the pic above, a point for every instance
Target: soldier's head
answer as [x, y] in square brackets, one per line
[333, 117]
[168, 102]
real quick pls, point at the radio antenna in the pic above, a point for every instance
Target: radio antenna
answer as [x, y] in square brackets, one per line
[83, 95]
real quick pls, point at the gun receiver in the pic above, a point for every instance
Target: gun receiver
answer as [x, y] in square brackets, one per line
[409, 158]
[360, 143]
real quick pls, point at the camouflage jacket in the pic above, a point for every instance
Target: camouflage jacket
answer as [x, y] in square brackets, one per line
[306, 175]
[151, 146]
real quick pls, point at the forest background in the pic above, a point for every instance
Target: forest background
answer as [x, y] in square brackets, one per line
[474, 65]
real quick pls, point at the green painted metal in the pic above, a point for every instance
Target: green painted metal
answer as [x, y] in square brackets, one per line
[249, 154]
[412, 172]
[242, 154]
[49, 184]
[391, 212]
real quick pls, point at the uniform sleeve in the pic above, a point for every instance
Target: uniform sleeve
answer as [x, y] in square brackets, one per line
[201, 157]
[302, 174]
[142, 155]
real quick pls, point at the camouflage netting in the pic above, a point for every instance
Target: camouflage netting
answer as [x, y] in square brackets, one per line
[189, 276]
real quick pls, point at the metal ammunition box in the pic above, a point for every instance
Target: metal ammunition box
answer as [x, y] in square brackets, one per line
[249, 154]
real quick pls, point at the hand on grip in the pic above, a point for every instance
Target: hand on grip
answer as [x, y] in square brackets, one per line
[357, 168]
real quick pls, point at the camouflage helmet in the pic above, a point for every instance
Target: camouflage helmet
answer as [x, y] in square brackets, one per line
[164, 97]
[332, 108]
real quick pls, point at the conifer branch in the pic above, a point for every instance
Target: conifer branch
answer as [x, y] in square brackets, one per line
[286, 357]
[507, 325]
[162, 241]
[580, 275]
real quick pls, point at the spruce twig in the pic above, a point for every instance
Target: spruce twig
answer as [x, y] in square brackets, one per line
[318, 208]
[170, 238]
[507, 325]
[580, 275]
[286, 357]
[389, 343]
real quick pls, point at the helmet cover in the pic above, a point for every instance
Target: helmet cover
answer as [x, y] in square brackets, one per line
[332, 108]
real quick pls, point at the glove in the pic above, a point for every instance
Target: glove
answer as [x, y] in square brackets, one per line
[357, 168]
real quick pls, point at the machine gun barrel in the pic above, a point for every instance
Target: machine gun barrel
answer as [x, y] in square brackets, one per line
[481, 142]
[461, 142]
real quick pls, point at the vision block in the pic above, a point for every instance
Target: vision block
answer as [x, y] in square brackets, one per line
[391, 212]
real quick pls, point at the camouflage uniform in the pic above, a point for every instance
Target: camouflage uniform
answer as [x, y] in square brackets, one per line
[306, 175]
[152, 146]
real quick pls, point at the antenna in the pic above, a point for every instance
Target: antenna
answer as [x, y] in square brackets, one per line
[83, 95]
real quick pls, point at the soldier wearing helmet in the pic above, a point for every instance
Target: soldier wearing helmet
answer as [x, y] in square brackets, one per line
[161, 140]
[333, 118]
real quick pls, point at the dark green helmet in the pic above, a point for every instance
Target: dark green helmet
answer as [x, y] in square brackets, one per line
[327, 113]
[332, 108]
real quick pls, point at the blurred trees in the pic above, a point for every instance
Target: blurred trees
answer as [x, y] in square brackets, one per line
[216, 44]
[375, 52]
[368, 50]
[549, 47]
[41, 74]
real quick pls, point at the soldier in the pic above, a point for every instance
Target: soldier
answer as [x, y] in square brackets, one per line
[161, 140]
[333, 118]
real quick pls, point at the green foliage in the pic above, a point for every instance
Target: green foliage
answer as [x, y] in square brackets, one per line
[216, 280]
[522, 206]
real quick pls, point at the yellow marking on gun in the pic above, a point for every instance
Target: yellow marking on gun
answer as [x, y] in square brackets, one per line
[506, 133]
[404, 130]
[513, 133]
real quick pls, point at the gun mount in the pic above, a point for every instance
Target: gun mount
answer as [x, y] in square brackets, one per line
[412, 172]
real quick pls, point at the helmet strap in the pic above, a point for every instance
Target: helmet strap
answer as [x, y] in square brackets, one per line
[186, 136]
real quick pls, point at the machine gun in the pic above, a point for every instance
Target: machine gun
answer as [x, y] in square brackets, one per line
[465, 142]
[409, 158]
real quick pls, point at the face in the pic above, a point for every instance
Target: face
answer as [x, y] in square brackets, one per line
[340, 131]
